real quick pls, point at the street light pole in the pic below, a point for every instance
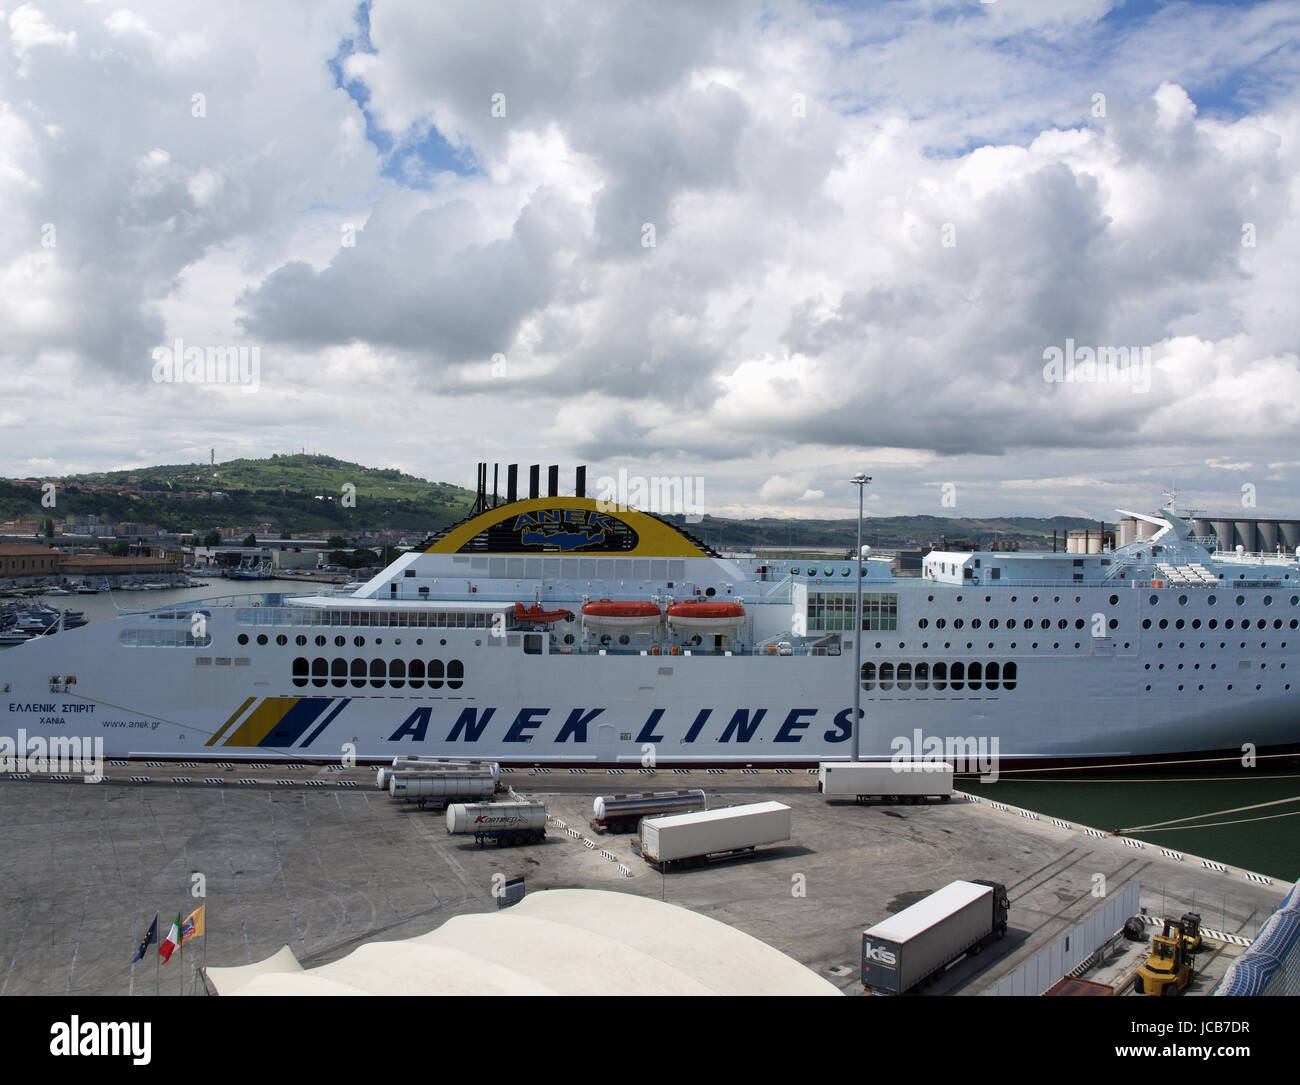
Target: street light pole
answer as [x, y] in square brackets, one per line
[859, 480]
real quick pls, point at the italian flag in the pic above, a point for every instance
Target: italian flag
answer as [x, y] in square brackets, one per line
[171, 941]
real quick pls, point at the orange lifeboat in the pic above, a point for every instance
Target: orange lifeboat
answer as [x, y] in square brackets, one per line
[621, 614]
[535, 615]
[706, 615]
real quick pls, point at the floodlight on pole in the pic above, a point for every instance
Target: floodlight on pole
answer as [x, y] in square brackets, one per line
[859, 480]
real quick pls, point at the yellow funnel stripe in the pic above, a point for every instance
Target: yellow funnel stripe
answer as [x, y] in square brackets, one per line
[237, 713]
[655, 539]
[260, 721]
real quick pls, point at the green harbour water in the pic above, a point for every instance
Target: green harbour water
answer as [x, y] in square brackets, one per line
[1247, 818]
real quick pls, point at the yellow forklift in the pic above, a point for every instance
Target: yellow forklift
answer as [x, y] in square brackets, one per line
[1190, 928]
[1169, 969]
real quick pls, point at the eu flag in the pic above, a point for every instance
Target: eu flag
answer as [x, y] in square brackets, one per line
[149, 939]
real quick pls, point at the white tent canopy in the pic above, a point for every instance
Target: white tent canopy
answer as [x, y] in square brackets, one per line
[560, 941]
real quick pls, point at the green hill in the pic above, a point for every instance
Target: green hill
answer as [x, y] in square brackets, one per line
[304, 494]
[298, 493]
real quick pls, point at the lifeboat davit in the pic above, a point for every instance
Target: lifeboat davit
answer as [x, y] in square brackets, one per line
[706, 615]
[621, 614]
[535, 615]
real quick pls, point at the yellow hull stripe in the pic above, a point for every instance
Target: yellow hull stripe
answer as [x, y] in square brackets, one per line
[260, 721]
[225, 726]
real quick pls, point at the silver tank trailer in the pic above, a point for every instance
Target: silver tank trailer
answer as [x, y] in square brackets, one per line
[441, 785]
[435, 764]
[431, 765]
[631, 808]
[519, 822]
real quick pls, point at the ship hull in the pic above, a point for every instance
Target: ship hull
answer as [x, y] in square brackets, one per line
[600, 709]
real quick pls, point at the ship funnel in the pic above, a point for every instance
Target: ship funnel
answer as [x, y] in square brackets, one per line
[534, 481]
[580, 482]
[553, 480]
[512, 483]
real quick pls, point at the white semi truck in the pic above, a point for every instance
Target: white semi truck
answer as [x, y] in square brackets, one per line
[916, 945]
[897, 781]
[693, 839]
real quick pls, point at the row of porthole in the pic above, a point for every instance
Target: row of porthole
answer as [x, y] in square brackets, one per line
[1114, 599]
[1210, 600]
[1154, 600]
[1222, 644]
[1213, 623]
[340, 641]
[394, 674]
[1213, 666]
[939, 675]
[1027, 623]
[1200, 688]
[1012, 646]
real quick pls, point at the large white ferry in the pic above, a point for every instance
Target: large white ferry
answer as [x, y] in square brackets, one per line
[561, 630]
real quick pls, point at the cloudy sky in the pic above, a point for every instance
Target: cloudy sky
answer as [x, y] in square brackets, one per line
[761, 244]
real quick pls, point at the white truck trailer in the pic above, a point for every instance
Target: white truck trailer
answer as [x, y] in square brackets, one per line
[915, 945]
[890, 781]
[692, 839]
